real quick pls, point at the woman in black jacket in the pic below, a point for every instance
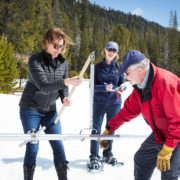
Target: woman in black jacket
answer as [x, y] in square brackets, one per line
[47, 80]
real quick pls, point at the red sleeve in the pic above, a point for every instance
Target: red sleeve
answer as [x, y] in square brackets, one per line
[131, 109]
[171, 105]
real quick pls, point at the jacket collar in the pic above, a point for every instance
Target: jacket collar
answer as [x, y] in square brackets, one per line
[48, 59]
[113, 63]
[145, 93]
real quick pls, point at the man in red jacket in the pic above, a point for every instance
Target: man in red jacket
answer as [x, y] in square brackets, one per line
[156, 95]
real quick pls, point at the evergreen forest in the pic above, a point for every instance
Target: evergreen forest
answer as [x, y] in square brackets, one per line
[23, 23]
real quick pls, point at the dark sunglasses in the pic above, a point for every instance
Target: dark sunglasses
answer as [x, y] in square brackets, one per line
[56, 46]
[112, 50]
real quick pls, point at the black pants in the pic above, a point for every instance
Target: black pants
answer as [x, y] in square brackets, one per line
[146, 157]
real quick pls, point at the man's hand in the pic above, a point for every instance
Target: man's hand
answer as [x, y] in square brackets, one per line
[163, 159]
[104, 144]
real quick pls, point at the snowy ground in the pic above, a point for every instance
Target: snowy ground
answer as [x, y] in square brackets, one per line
[74, 119]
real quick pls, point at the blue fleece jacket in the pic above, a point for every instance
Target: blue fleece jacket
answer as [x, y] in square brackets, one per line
[107, 74]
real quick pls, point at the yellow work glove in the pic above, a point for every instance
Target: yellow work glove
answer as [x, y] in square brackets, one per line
[163, 159]
[104, 144]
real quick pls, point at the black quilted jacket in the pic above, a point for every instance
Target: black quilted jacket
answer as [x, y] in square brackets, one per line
[45, 82]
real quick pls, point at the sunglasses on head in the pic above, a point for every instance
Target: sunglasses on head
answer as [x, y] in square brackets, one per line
[56, 46]
[112, 50]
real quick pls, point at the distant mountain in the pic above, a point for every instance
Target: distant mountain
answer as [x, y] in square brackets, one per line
[109, 16]
[90, 26]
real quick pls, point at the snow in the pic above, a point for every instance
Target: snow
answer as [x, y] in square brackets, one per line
[74, 119]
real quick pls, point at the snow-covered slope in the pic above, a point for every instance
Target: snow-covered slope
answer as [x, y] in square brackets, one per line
[74, 119]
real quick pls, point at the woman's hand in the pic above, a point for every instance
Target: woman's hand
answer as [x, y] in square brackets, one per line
[74, 81]
[109, 87]
[66, 101]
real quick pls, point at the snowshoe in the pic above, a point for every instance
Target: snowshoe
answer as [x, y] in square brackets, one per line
[112, 161]
[95, 164]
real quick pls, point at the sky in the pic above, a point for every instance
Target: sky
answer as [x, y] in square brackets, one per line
[152, 10]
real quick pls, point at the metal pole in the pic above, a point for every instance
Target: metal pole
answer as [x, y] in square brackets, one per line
[35, 137]
[29, 137]
[91, 97]
[91, 92]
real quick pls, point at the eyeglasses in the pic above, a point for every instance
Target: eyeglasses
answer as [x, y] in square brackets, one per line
[112, 50]
[56, 46]
[126, 73]
[129, 71]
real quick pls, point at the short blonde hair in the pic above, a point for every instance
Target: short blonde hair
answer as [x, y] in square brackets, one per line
[104, 55]
[56, 34]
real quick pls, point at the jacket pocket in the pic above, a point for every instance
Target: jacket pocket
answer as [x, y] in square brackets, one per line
[41, 99]
[53, 98]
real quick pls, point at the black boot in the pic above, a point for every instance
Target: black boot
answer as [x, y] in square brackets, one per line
[95, 163]
[28, 172]
[61, 170]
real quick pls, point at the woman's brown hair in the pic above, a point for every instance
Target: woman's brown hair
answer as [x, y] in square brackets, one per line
[56, 34]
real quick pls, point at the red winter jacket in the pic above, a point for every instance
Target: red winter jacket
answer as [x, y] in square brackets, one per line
[159, 104]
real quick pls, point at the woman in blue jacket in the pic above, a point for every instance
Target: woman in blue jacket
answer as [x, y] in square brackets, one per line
[106, 78]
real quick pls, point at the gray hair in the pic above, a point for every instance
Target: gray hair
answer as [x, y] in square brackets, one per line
[143, 64]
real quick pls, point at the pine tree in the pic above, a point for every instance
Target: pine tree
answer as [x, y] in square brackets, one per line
[8, 67]
[171, 19]
[143, 44]
[77, 40]
[160, 49]
[68, 30]
[97, 44]
[26, 28]
[134, 39]
[150, 44]
[121, 36]
[175, 23]
[84, 50]
[173, 53]
[5, 15]
[84, 16]
[57, 14]
[85, 36]
[29, 25]
[172, 46]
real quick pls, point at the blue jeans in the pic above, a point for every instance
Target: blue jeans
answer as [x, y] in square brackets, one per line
[99, 110]
[146, 157]
[32, 119]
